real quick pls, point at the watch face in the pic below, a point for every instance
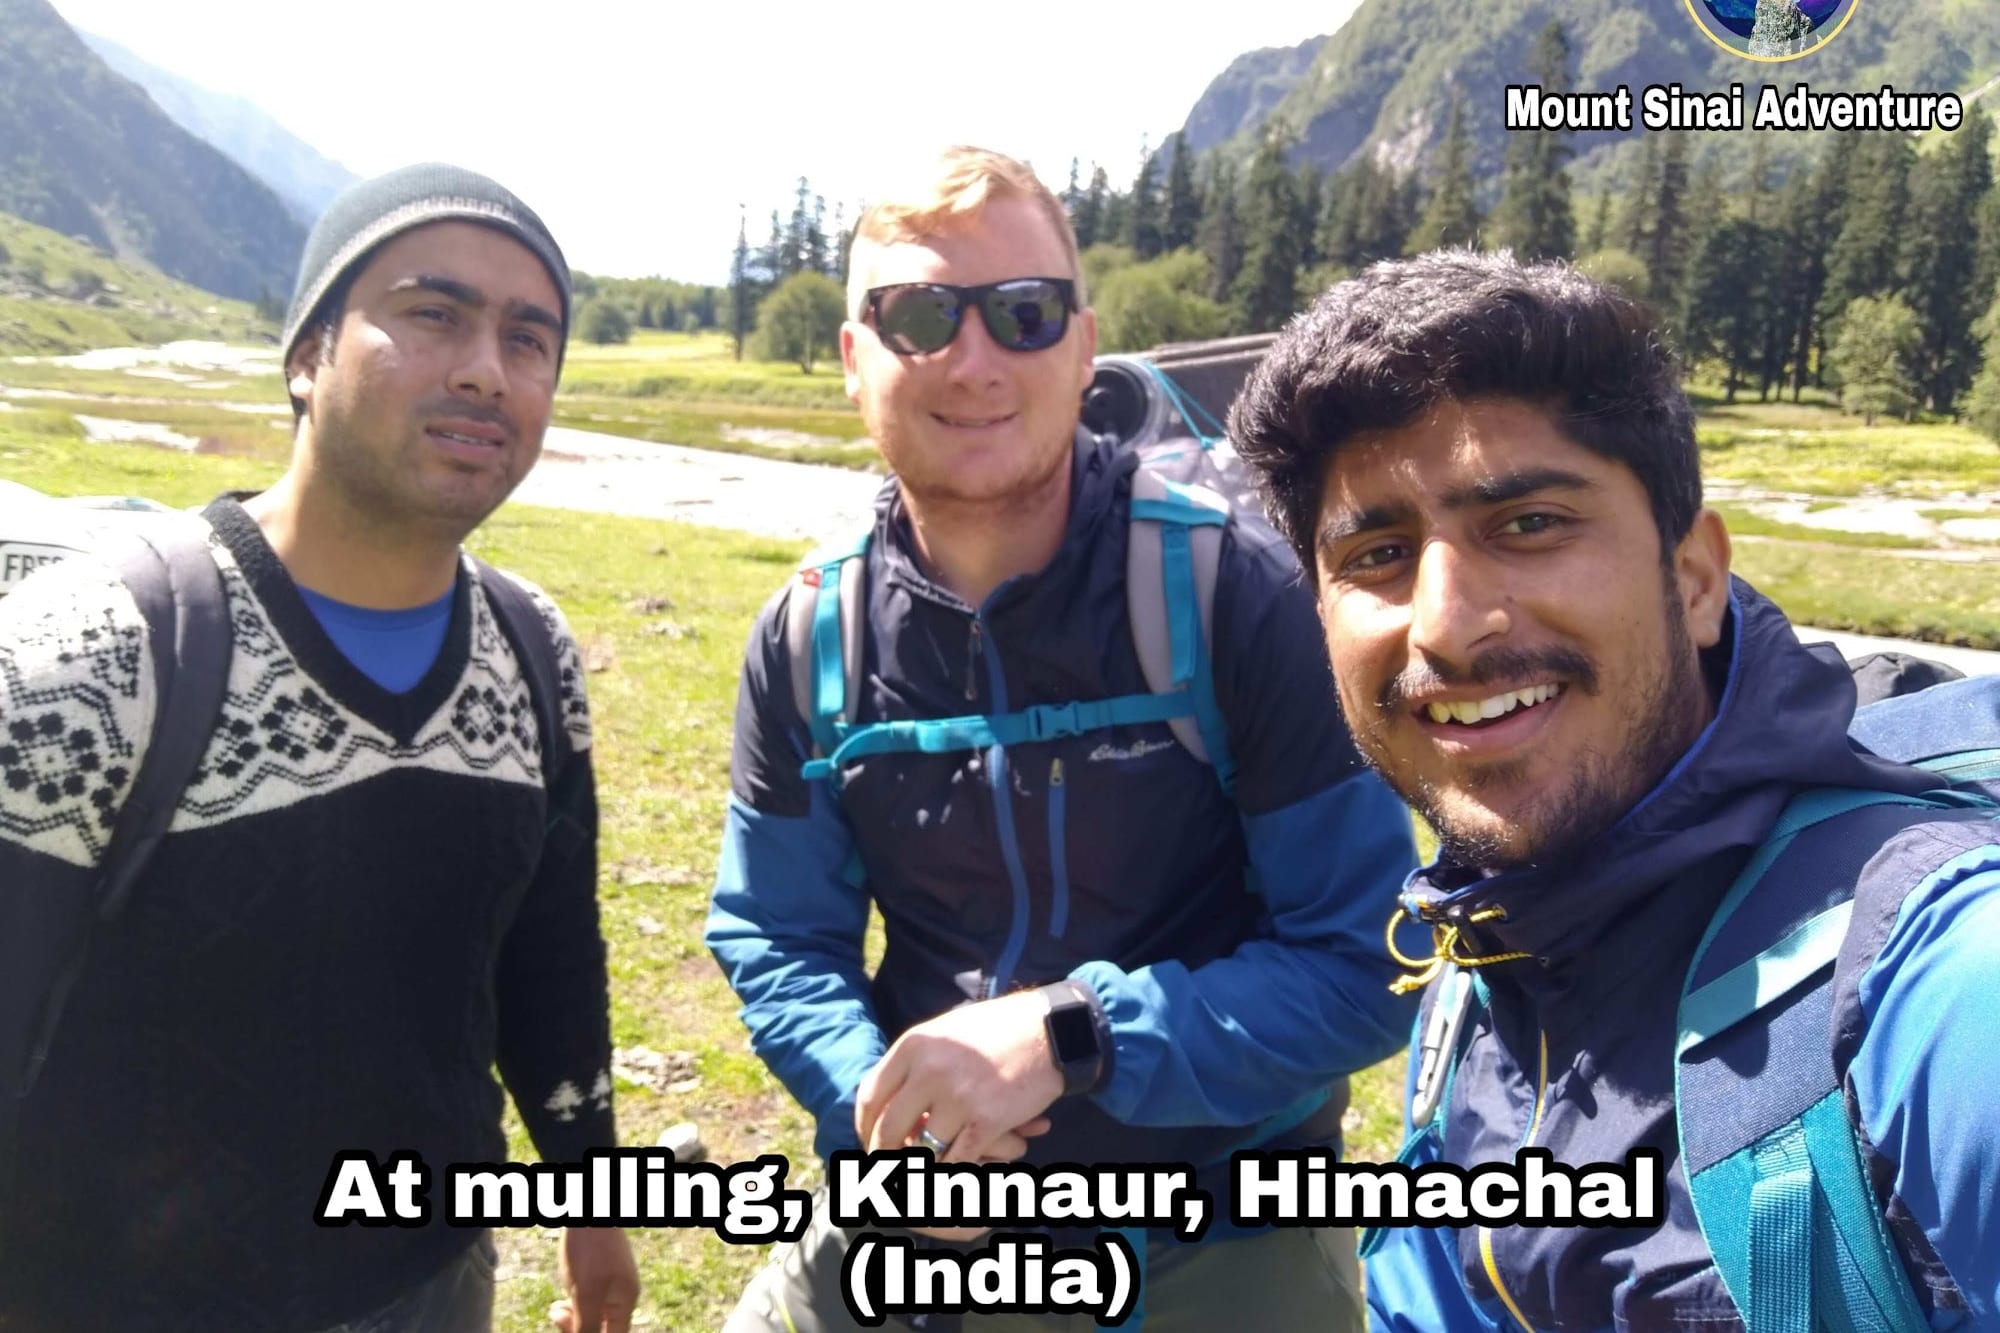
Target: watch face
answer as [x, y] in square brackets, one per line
[1073, 1033]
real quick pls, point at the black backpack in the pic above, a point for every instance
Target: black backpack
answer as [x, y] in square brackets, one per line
[166, 566]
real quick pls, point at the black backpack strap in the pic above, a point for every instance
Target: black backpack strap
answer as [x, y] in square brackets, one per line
[172, 576]
[179, 592]
[527, 632]
[173, 579]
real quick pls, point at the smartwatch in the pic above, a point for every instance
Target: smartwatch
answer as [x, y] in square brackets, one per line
[1074, 1043]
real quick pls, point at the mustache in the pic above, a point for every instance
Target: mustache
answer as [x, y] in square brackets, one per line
[1428, 675]
[463, 411]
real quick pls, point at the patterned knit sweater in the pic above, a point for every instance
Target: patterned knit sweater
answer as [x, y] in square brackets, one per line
[365, 902]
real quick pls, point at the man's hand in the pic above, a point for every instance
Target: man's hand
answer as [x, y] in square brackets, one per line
[977, 1077]
[599, 1279]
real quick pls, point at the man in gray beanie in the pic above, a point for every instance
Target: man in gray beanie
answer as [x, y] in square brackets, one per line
[380, 881]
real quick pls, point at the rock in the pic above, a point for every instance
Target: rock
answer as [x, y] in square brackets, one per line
[684, 1140]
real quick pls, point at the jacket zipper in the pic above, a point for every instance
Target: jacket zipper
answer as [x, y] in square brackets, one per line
[1486, 1233]
[1003, 814]
[1058, 860]
[972, 656]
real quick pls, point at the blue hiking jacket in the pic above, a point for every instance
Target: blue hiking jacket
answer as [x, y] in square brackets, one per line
[1575, 1051]
[1235, 947]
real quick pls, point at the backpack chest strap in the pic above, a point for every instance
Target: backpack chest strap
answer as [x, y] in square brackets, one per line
[1043, 722]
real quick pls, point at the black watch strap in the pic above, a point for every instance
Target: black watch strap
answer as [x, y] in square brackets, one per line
[1075, 1043]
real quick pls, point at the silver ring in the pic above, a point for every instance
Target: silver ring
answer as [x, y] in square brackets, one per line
[932, 1141]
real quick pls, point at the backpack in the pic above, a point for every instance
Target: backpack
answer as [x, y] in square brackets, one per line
[164, 560]
[1188, 487]
[1783, 1194]
[1779, 1180]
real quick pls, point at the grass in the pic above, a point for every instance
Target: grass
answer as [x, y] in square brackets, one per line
[43, 310]
[669, 388]
[688, 389]
[1931, 600]
[696, 367]
[1744, 523]
[50, 378]
[789, 434]
[1847, 459]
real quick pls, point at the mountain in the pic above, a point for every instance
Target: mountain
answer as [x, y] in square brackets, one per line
[1385, 81]
[304, 179]
[1245, 94]
[86, 152]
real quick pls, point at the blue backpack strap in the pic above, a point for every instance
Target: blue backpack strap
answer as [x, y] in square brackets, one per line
[823, 639]
[1173, 551]
[1788, 1211]
[1201, 423]
[978, 731]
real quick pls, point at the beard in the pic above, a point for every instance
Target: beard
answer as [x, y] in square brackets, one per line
[1565, 818]
[384, 493]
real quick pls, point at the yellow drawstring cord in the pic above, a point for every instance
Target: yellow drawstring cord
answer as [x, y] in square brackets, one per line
[1444, 946]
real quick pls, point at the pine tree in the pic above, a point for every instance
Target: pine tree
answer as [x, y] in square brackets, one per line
[818, 248]
[1311, 198]
[1183, 203]
[1221, 236]
[1452, 216]
[742, 297]
[1143, 231]
[1865, 252]
[1534, 217]
[1811, 219]
[1072, 194]
[1757, 201]
[771, 259]
[798, 239]
[1982, 401]
[1635, 230]
[1088, 219]
[1385, 211]
[1940, 257]
[1600, 224]
[1668, 239]
[1986, 259]
[1266, 291]
[1701, 223]
[1729, 310]
[1113, 226]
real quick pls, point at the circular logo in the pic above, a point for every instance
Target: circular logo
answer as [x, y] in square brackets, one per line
[1771, 29]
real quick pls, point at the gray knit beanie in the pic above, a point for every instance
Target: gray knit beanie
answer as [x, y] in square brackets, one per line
[370, 212]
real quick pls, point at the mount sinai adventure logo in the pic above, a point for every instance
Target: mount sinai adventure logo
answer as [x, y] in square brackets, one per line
[1771, 29]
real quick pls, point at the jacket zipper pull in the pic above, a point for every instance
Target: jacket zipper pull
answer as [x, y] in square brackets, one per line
[972, 666]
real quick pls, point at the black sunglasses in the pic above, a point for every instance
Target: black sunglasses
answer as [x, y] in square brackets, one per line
[1021, 314]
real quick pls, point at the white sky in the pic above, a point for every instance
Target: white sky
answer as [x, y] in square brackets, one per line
[636, 129]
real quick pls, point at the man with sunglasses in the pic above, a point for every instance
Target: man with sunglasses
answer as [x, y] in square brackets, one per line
[1094, 954]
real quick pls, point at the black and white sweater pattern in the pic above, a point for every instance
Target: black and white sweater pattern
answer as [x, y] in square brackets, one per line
[364, 902]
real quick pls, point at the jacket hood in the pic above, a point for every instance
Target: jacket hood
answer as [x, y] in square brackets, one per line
[1780, 726]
